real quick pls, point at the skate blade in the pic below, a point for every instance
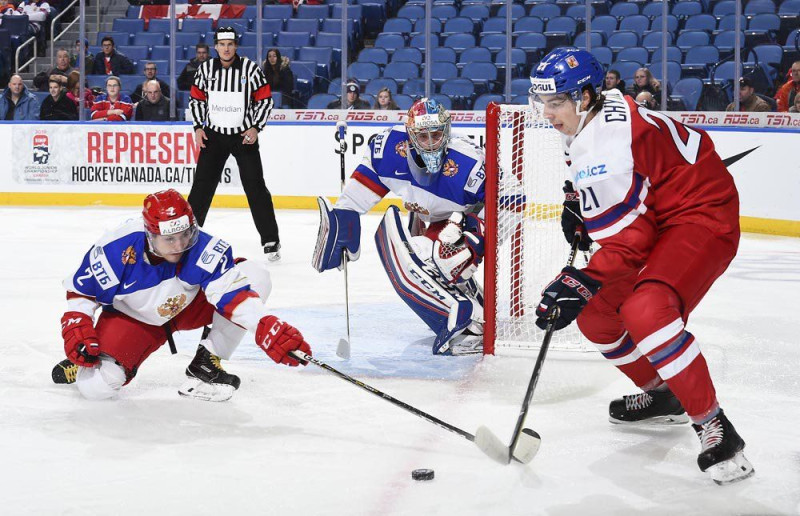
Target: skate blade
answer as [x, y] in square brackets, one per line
[196, 389]
[679, 419]
[729, 471]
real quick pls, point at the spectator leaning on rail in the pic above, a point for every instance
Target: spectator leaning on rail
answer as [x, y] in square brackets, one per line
[60, 72]
[154, 107]
[352, 100]
[786, 95]
[150, 72]
[110, 62]
[748, 100]
[58, 106]
[185, 79]
[112, 105]
[17, 103]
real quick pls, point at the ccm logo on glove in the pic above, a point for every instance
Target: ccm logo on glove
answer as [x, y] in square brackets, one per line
[278, 339]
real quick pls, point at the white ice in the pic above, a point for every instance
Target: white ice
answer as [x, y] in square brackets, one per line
[302, 441]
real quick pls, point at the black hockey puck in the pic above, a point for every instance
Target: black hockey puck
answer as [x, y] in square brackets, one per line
[422, 474]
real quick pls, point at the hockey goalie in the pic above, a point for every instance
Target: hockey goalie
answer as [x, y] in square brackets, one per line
[431, 263]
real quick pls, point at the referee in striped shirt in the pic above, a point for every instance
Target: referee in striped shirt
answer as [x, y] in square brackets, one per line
[230, 102]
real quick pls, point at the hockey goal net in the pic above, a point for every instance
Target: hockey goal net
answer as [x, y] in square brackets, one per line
[525, 247]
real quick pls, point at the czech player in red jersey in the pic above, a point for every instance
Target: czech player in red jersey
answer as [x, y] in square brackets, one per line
[658, 199]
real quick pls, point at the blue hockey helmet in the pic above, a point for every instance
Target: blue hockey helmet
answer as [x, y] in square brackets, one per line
[566, 70]
[428, 128]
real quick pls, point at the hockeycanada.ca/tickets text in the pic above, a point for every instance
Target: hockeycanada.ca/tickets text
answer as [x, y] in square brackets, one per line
[133, 174]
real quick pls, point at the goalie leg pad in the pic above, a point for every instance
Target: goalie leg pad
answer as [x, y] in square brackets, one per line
[443, 308]
[339, 231]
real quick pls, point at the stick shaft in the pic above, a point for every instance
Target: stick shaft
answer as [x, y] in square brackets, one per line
[394, 401]
[342, 174]
[537, 368]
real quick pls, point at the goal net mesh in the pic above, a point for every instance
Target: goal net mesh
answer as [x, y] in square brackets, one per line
[526, 171]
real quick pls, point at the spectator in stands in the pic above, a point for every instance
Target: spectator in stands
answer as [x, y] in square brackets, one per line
[6, 6]
[74, 89]
[789, 91]
[613, 81]
[112, 105]
[384, 100]
[352, 100]
[17, 103]
[154, 107]
[748, 100]
[150, 72]
[58, 106]
[88, 58]
[60, 72]
[643, 80]
[279, 76]
[110, 62]
[796, 106]
[186, 78]
[646, 99]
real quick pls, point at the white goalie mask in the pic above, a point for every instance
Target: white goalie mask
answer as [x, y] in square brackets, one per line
[428, 128]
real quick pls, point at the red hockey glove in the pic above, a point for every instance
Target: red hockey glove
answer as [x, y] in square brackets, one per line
[569, 292]
[278, 338]
[80, 340]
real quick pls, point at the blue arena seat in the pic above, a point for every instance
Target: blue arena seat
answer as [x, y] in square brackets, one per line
[401, 71]
[150, 39]
[483, 75]
[403, 102]
[622, 9]
[314, 12]
[597, 39]
[689, 90]
[672, 23]
[271, 25]
[459, 42]
[415, 87]
[402, 26]
[457, 25]
[161, 25]
[545, 11]
[475, 12]
[702, 21]
[482, 102]
[363, 72]
[240, 25]
[460, 90]
[321, 100]
[197, 25]
[605, 24]
[376, 55]
[639, 54]
[653, 39]
[131, 26]
[603, 54]
[278, 11]
[376, 85]
[309, 25]
[620, 40]
[410, 54]
[134, 52]
[294, 39]
[686, 9]
[528, 24]
[390, 42]
[637, 23]
[693, 38]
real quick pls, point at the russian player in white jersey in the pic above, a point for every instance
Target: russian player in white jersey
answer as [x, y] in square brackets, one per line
[156, 275]
[440, 179]
[658, 199]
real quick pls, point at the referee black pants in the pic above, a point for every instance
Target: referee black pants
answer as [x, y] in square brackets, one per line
[210, 165]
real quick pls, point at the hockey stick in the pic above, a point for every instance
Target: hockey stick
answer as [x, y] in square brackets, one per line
[500, 457]
[524, 441]
[343, 348]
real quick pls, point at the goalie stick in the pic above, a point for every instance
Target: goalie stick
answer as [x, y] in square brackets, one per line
[343, 348]
[496, 448]
[524, 441]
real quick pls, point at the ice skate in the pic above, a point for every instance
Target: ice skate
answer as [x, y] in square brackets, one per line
[65, 372]
[273, 251]
[467, 343]
[647, 408]
[722, 456]
[207, 380]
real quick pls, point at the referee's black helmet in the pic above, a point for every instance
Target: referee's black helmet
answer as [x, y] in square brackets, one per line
[225, 33]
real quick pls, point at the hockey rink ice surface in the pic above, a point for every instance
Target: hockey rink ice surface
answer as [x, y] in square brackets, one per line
[304, 442]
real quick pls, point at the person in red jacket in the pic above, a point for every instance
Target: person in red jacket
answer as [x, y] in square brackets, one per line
[112, 105]
[658, 199]
[787, 92]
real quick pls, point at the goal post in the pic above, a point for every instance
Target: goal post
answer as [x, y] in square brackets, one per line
[525, 247]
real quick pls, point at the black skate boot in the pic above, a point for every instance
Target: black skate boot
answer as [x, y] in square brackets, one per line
[207, 379]
[273, 251]
[722, 456]
[647, 408]
[65, 372]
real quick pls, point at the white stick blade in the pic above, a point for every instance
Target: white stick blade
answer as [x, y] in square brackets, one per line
[343, 349]
[527, 446]
[491, 445]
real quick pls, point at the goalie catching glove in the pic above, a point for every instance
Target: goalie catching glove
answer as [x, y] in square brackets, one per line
[278, 339]
[571, 219]
[568, 293]
[80, 339]
[459, 247]
[339, 232]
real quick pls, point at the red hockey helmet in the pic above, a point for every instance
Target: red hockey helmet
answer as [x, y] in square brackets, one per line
[168, 214]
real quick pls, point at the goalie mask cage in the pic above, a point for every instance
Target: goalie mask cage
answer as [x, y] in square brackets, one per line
[525, 247]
